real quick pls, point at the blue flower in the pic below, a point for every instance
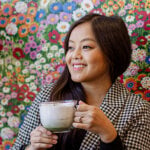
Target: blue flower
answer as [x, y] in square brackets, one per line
[55, 7]
[40, 15]
[147, 60]
[69, 7]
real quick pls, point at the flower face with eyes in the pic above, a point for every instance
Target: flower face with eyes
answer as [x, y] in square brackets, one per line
[85, 59]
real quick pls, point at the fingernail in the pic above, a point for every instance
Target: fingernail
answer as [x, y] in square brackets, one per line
[55, 137]
[54, 141]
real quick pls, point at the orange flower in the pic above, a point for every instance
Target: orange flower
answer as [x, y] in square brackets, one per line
[139, 78]
[8, 74]
[14, 2]
[21, 18]
[110, 3]
[13, 19]
[18, 69]
[111, 13]
[7, 10]
[130, 12]
[105, 6]
[23, 31]
[29, 20]
[121, 3]
[33, 28]
[32, 11]
[115, 7]
[7, 83]
[20, 78]
[140, 93]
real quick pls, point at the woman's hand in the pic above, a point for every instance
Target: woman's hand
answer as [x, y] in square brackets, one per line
[41, 139]
[93, 119]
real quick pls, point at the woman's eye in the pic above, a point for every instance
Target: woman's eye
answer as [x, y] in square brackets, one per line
[87, 47]
[70, 48]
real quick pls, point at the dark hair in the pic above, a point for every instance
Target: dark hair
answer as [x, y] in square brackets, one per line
[113, 39]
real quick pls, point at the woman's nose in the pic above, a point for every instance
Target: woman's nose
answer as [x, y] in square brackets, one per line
[77, 54]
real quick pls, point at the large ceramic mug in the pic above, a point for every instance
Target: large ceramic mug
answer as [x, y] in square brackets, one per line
[57, 116]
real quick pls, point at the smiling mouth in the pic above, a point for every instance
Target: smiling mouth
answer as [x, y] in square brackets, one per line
[78, 67]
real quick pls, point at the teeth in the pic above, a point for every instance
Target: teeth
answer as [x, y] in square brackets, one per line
[78, 66]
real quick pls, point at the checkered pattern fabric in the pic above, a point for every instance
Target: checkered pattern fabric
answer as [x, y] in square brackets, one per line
[129, 114]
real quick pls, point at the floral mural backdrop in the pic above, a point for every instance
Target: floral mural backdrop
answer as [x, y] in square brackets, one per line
[32, 54]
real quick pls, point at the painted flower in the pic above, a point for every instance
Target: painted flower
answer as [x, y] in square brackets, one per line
[87, 5]
[98, 11]
[29, 20]
[32, 3]
[122, 12]
[7, 9]
[13, 121]
[52, 19]
[7, 133]
[4, 101]
[44, 3]
[11, 29]
[141, 40]
[130, 84]
[54, 36]
[139, 93]
[3, 22]
[49, 79]
[139, 24]
[147, 60]
[147, 95]
[63, 27]
[20, 96]
[40, 15]
[13, 19]
[33, 55]
[130, 18]
[56, 7]
[6, 89]
[24, 88]
[78, 13]
[69, 7]
[21, 18]
[60, 68]
[31, 96]
[147, 25]
[65, 16]
[18, 53]
[145, 82]
[142, 15]
[32, 11]
[21, 7]
[33, 27]
[15, 109]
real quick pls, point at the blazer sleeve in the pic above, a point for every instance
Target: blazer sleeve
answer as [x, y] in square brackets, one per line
[32, 120]
[138, 135]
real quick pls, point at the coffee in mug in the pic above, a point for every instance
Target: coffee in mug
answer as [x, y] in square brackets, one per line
[57, 116]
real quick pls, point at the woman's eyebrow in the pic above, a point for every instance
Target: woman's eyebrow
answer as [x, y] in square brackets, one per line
[83, 40]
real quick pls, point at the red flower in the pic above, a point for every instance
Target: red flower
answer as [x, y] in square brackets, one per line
[141, 40]
[31, 95]
[24, 88]
[0, 140]
[1, 47]
[147, 25]
[54, 36]
[18, 53]
[15, 109]
[20, 96]
[142, 15]
[14, 88]
[32, 4]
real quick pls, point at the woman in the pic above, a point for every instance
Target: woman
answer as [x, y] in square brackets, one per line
[108, 117]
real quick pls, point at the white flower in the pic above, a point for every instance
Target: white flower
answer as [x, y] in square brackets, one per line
[27, 80]
[38, 55]
[57, 54]
[37, 63]
[13, 121]
[17, 63]
[49, 55]
[87, 5]
[25, 71]
[1, 61]
[42, 60]
[38, 67]
[21, 7]
[3, 33]
[1, 107]
[54, 48]
[146, 82]
[21, 107]
[78, 13]
[44, 3]
[6, 89]
[11, 29]
[46, 66]
[4, 101]
[33, 87]
[32, 77]
[63, 26]
[141, 54]
[45, 48]
[1, 124]
[10, 67]
[2, 113]
[130, 18]
[26, 100]
[61, 50]
[7, 133]
[148, 37]
[32, 66]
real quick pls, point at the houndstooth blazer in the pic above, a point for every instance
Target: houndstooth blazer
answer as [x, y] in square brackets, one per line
[129, 114]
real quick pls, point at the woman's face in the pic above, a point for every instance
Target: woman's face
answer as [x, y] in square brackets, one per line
[85, 59]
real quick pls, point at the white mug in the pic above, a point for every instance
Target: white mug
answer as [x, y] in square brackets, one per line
[57, 116]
